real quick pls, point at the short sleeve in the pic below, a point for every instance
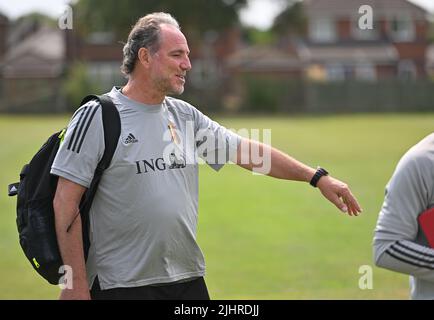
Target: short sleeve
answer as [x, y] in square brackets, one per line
[82, 147]
[408, 193]
[215, 144]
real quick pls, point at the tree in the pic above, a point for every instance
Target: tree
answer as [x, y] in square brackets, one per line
[292, 21]
[431, 30]
[195, 16]
[36, 18]
[78, 84]
[255, 36]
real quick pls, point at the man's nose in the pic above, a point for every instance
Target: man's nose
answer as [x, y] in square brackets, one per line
[186, 64]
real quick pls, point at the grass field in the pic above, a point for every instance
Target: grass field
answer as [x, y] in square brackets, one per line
[262, 238]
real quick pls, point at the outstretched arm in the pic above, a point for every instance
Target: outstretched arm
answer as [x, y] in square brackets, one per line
[275, 163]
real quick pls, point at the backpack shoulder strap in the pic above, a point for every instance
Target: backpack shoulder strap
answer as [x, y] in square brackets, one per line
[112, 128]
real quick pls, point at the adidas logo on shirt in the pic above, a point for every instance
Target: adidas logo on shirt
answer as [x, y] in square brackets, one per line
[130, 139]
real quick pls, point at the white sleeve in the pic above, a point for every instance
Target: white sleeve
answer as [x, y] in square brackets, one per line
[82, 147]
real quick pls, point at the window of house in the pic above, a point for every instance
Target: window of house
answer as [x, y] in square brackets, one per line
[322, 30]
[402, 28]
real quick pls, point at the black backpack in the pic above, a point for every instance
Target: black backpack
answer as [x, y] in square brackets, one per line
[36, 190]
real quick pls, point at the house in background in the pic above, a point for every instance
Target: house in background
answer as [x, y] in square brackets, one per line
[337, 66]
[31, 69]
[257, 76]
[338, 49]
[36, 57]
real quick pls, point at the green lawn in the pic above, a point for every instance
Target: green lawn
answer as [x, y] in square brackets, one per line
[262, 238]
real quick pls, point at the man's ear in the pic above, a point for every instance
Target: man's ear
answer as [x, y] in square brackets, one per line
[144, 57]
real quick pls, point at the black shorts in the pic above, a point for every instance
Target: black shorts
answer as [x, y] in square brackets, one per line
[192, 290]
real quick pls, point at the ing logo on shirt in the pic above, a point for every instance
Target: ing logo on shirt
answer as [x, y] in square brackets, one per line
[159, 164]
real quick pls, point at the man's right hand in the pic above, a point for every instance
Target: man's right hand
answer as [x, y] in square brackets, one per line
[339, 194]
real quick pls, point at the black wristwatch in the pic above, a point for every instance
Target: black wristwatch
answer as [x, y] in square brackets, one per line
[318, 174]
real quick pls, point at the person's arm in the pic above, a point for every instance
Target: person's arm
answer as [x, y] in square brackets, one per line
[282, 166]
[66, 207]
[396, 245]
[75, 163]
[406, 257]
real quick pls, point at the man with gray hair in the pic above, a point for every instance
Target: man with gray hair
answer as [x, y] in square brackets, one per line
[144, 216]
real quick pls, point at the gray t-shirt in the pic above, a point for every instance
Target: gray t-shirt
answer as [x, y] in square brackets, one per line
[144, 216]
[399, 244]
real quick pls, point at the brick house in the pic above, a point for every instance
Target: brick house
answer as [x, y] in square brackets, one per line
[335, 48]
[352, 68]
[394, 48]
[31, 68]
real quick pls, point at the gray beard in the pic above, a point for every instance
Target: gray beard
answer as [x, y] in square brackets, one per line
[167, 90]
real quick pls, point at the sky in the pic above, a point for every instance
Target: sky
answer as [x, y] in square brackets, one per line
[259, 13]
